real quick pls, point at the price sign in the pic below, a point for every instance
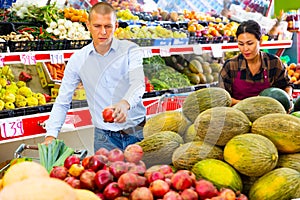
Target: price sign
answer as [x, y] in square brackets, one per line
[1, 61]
[11, 127]
[147, 53]
[197, 49]
[164, 52]
[57, 57]
[217, 50]
[28, 58]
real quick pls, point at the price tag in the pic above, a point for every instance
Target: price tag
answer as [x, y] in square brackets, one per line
[57, 57]
[1, 61]
[197, 49]
[164, 52]
[217, 50]
[11, 127]
[147, 53]
[28, 58]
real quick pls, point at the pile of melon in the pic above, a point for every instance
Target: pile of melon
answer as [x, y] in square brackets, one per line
[252, 147]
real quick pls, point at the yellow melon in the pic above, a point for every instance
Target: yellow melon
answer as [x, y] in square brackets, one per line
[83, 194]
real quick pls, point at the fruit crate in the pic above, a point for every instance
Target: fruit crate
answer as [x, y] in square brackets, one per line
[77, 44]
[166, 102]
[45, 45]
[143, 42]
[23, 46]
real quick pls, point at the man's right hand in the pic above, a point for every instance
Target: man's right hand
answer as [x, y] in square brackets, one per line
[48, 140]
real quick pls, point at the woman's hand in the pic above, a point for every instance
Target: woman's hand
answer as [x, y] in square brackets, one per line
[48, 140]
[234, 101]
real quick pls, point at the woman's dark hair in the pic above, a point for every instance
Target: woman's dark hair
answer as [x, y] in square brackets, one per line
[249, 26]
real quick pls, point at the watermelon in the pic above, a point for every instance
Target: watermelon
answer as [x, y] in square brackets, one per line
[278, 94]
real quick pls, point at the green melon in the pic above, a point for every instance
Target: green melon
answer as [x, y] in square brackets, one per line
[159, 147]
[297, 104]
[282, 129]
[251, 154]
[166, 121]
[203, 99]
[190, 134]
[219, 173]
[195, 66]
[278, 184]
[296, 114]
[278, 94]
[219, 124]
[206, 68]
[291, 160]
[258, 106]
[188, 154]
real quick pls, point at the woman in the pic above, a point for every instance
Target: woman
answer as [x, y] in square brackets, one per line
[252, 71]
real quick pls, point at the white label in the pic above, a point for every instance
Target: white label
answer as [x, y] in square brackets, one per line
[164, 52]
[1, 61]
[28, 58]
[217, 50]
[197, 49]
[57, 57]
[147, 53]
[11, 127]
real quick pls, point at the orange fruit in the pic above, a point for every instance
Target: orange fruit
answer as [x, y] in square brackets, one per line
[292, 66]
[293, 79]
[192, 28]
[297, 75]
[290, 72]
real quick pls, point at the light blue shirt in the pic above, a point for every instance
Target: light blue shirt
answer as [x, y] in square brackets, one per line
[106, 79]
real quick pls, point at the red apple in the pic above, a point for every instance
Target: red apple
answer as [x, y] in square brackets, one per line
[96, 162]
[128, 182]
[118, 168]
[182, 180]
[205, 189]
[103, 178]
[189, 194]
[107, 115]
[70, 160]
[85, 162]
[172, 195]
[227, 194]
[112, 191]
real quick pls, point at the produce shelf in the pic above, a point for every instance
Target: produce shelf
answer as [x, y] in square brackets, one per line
[44, 56]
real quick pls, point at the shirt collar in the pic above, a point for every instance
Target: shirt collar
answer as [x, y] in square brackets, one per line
[114, 46]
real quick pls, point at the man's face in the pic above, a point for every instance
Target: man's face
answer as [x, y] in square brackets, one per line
[102, 28]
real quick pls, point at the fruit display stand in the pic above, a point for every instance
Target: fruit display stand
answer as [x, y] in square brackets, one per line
[26, 125]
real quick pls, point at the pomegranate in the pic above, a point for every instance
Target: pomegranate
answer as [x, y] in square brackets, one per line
[172, 195]
[189, 194]
[155, 176]
[59, 172]
[118, 168]
[103, 178]
[70, 160]
[142, 181]
[137, 169]
[102, 151]
[133, 153]
[128, 181]
[87, 179]
[76, 169]
[241, 197]
[115, 155]
[73, 182]
[107, 115]
[165, 169]
[112, 191]
[121, 198]
[96, 162]
[100, 195]
[154, 168]
[181, 180]
[205, 189]
[159, 188]
[227, 194]
[141, 193]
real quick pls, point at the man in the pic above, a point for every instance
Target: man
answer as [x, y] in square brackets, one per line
[112, 74]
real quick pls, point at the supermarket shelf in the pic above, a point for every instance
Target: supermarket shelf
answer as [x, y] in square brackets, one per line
[43, 56]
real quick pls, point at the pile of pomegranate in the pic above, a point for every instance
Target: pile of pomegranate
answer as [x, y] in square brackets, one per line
[118, 175]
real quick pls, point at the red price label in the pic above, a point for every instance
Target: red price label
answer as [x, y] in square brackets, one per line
[1, 61]
[28, 59]
[11, 127]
